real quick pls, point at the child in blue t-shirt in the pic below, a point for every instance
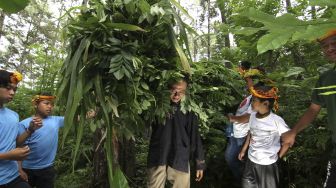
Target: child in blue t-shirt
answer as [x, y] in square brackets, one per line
[38, 167]
[9, 135]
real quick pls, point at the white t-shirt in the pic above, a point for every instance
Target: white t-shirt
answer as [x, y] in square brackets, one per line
[240, 130]
[265, 138]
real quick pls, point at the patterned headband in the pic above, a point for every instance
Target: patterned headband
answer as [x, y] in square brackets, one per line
[330, 33]
[38, 98]
[271, 94]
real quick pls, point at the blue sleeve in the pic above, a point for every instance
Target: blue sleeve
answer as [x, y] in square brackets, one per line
[22, 128]
[61, 121]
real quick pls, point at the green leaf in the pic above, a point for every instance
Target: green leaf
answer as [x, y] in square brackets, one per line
[184, 11]
[114, 105]
[144, 85]
[92, 126]
[258, 16]
[184, 61]
[123, 26]
[101, 97]
[144, 6]
[183, 32]
[75, 92]
[272, 41]
[322, 2]
[312, 32]
[13, 6]
[80, 130]
[119, 74]
[294, 71]
[327, 87]
[119, 179]
[247, 30]
[328, 93]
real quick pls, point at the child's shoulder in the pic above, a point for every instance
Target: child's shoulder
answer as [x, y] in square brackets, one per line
[276, 116]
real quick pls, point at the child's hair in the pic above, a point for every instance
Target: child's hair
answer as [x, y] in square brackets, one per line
[261, 86]
[245, 65]
[5, 78]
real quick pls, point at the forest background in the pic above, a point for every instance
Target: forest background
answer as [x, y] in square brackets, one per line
[117, 56]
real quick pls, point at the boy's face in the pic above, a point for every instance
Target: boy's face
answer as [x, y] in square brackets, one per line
[178, 91]
[329, 47]
[7, 93]
[45, 107]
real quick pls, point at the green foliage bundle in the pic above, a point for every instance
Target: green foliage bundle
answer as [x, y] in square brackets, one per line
[122, 54]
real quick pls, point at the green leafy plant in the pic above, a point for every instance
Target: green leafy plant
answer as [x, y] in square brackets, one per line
[120, 59]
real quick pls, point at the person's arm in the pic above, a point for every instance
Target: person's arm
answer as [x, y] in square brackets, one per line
[197, 148]
[22, 173]
[283, 150]
[35, 124]
[245, 147]
[240, 119]
[23, 137]
[305, 120]
[17, 154]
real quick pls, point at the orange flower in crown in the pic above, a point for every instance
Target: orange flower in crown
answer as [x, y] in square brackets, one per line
[330, 33]
[270, 94]
[16, 77]
[38, 98]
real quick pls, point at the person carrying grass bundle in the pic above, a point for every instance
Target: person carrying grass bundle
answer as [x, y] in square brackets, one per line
[172, 143]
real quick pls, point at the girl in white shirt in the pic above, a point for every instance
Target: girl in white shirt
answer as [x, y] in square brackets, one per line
[261, 168]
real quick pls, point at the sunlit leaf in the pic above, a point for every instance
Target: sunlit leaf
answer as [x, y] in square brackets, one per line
[13, 6]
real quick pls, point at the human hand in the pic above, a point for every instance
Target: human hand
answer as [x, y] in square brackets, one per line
[288, 138]
[18, 154]
[241, 155]
[199, 175]
[23, 175]
[35, 124]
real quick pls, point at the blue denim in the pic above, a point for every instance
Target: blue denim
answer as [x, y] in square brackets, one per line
[231, 156]
[229, 130]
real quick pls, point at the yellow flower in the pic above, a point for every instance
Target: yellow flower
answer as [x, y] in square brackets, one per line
[18, 76]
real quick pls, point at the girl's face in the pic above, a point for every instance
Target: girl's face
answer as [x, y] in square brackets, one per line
[259, 106]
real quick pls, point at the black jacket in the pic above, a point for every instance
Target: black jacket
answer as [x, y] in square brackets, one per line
[176, 141]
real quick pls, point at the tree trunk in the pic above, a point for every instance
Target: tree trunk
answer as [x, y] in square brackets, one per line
[208, 30]
[313, 12]
[289, 6]
[99, 174]
[127, 157]
[2, 19]
[224, 17]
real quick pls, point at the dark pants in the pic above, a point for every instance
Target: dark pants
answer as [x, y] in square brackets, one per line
[330, 181]
[16, 183]
[260, 176]
[41, 178]
[231, 156]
